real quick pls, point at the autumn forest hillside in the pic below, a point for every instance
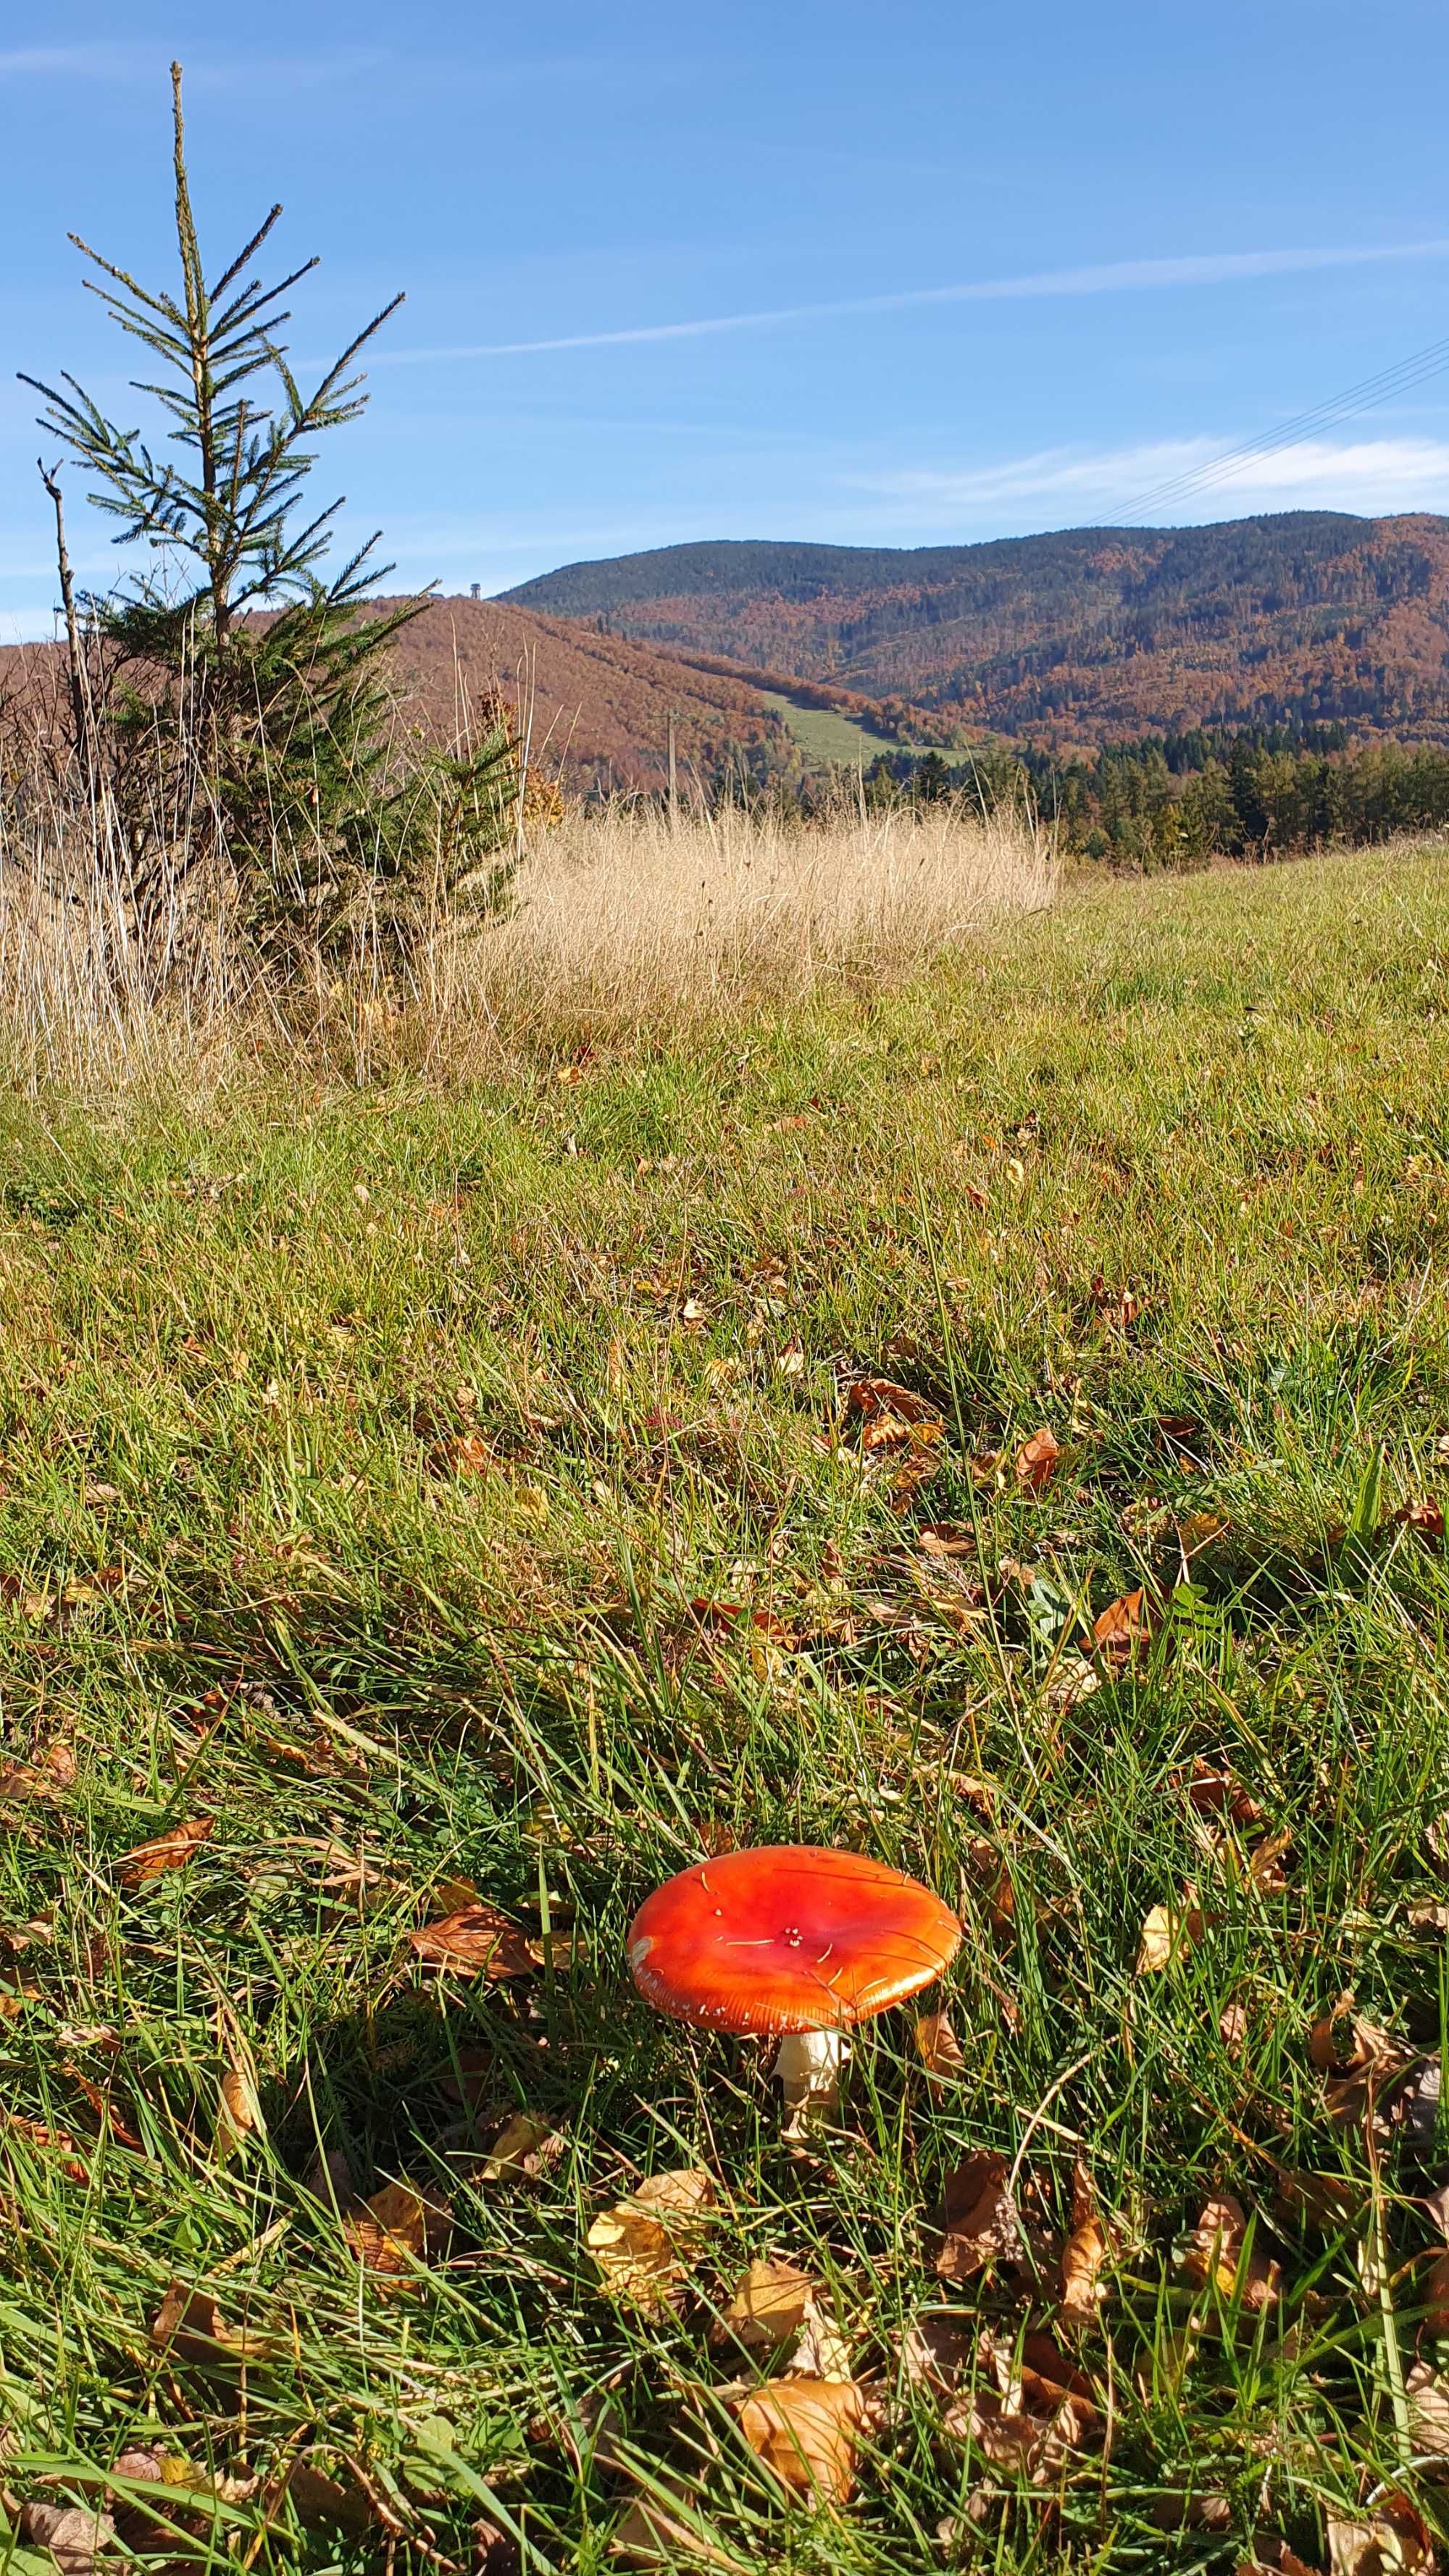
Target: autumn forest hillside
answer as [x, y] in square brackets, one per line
[1074, 638]
[601, 705]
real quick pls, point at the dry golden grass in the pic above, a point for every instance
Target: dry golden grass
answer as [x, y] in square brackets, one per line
[615, 921]
[623, 918]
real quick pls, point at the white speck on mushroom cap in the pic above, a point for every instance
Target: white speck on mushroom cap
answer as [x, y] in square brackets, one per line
[639, 1950]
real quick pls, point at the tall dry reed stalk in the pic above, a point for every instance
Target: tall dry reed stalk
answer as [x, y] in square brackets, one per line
[617, 921]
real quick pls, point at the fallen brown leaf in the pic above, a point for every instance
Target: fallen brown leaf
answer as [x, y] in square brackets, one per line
[1428, 1918]
[1233, 2027]
[1083, 2257]
[1123, 1629]
[1426, 1517]
[1213, 1791]
[167, 1851]
[769, 2307]
[1114, 1305]
[37, 2134]
[317, 2498]
[399, 2228]
[103, 2103]
[939, 2049]
[1216, 2255]
[189, 2327]
[998, 1894]
[946, 1539]
[938, 2351]
[808, 2431]
[1356, 2056]
[1270, 2552]
[1183, 2509]
[1265, 1863]
[74, 2534]
[495, 2551]
[1392, 2540]
[239, 2113]
[979, 2223]
[1329, 2202]
[655, 2532]
[466, 1454]
[874, 1397]
[1436, 2296]
[1052, 2384]
[1040, 2411]
[1428, 2398]
[1036, 1461]
[822, 2351]
[477, 1941]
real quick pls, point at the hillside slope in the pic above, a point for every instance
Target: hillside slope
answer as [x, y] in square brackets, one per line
[1090, 634]
[601, 704]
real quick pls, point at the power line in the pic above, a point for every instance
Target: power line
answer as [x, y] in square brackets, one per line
[1365, 396]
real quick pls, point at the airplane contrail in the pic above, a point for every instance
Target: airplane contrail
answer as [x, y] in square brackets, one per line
[1207, 268]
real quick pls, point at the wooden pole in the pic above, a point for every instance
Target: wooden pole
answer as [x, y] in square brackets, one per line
[673, 777]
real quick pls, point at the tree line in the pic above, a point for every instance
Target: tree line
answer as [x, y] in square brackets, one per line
[1175, 800]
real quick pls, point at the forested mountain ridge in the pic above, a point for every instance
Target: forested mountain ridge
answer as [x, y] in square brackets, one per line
[1086, 635]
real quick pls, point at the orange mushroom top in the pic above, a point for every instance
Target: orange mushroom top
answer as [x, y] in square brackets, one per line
[788, 1938]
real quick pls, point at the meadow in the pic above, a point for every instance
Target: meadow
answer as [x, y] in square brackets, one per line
[982, 1401]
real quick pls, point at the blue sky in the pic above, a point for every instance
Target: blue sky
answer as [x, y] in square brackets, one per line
[904, 275]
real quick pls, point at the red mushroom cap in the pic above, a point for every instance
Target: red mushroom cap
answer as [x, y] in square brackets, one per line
[788, 1938]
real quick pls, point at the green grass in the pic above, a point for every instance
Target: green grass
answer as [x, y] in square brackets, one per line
[246, 1576]
[826, 736]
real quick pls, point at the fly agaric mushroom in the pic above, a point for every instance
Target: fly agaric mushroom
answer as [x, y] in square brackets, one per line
[794, 1941]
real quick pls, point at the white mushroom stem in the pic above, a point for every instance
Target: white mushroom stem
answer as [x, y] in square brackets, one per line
[808, 2070]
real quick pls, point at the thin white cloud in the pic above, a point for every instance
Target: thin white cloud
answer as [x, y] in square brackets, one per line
[1368, 474]
[131, 62]
[1112, 277]
[74, 62]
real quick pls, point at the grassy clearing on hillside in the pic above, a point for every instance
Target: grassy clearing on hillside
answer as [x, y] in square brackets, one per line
[417, 1485]
[826, 735]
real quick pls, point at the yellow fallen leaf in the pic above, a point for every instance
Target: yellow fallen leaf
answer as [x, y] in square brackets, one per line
[641, 2244]
[808, 2432]
[769, 2307]
[1168, 1932]
[523, 2150]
